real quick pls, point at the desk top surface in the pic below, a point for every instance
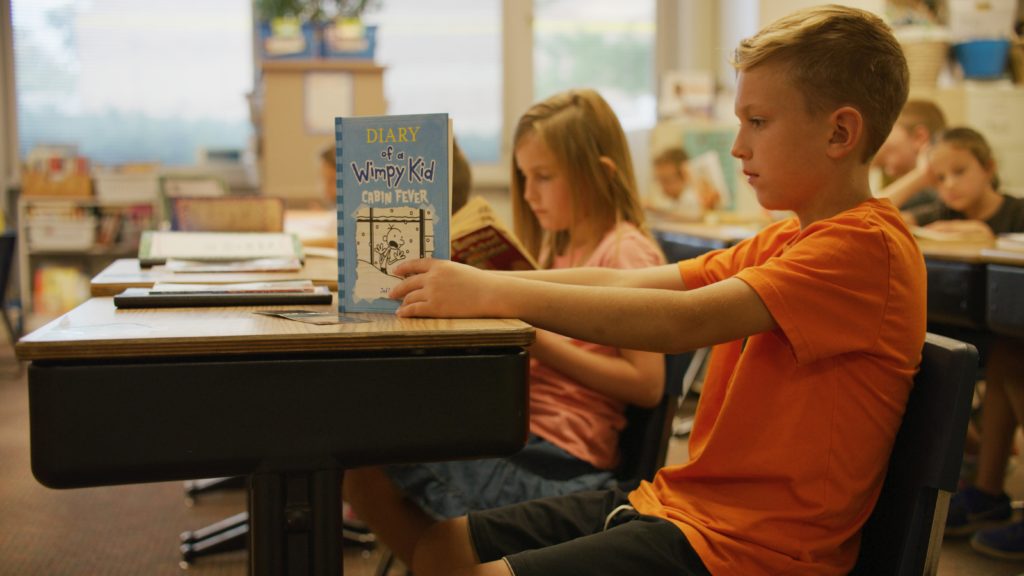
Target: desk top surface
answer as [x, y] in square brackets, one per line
[126, 273]
[98, 330]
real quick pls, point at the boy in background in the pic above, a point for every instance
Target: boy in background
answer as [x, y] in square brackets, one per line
[680, 193]
[903, 157]
[818, 324]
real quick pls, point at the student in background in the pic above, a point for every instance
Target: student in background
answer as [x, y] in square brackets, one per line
[969, 201]
[680, 192]
[575, 204]
[818, 322]
[903, 157]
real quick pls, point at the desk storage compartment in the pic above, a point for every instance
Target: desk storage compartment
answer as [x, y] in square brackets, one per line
[1006, 299]
[177, 419]
[956, 293]
[678, 247]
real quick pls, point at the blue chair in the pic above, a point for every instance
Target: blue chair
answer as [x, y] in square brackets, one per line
[903, 535]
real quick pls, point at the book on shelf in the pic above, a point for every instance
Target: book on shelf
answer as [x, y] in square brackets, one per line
[156, 247]
[169, 294]
[480, 239]
[1011, 241]
[394, 198]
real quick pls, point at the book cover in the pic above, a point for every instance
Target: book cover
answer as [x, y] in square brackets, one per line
[480, 239]
[394, 199]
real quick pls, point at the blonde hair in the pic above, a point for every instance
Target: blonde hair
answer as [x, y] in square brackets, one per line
[923, 113]
[462, 178]
[579, 128]
[837, 56]
[974, 143]
[674, 156]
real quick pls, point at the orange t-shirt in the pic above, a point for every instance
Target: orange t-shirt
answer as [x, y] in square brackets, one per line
[581, 421]
[795, 426]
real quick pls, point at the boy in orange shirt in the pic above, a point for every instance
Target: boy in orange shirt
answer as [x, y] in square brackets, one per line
[818, 324]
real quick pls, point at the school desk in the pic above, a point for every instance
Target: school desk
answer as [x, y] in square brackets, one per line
[126, 273]
[684, 240]
[956, 283]
[126, 396]
[1005, 277]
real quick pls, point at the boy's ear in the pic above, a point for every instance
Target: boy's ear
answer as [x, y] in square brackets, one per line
[847, 132]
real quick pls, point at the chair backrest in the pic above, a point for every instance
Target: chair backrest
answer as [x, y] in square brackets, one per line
[904, 532]
[644, 441]
[227, 214]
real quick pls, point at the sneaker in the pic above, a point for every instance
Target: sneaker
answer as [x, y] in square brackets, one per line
[971, 509]
[1004, 542]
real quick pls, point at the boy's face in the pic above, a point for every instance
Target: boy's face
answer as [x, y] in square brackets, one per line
[963, 181]
[671, 177]
[898, 154]
[782, 146]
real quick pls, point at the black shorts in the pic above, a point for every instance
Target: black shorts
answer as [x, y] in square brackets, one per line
[587, 533]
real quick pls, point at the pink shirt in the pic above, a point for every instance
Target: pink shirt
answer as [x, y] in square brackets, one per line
[575, 418]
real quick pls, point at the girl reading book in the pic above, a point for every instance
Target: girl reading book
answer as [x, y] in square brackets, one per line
[574, 204]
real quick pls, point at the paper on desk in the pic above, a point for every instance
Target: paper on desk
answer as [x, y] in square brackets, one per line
[311, 317]
[240, 287]
[254, 265]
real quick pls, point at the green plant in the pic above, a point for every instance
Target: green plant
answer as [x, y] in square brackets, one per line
[270, 9]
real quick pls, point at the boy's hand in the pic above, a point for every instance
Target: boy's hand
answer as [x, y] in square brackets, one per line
[444, 289]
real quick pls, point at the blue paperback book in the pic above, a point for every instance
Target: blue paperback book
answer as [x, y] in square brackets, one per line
[394, 202]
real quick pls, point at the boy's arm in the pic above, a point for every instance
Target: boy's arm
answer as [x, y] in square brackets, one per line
[665, 276]
[639, 319]
[907, 186]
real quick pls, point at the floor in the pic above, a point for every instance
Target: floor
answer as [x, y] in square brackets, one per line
[132, 530]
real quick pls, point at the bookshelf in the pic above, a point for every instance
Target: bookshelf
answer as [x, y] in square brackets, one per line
[64, 241]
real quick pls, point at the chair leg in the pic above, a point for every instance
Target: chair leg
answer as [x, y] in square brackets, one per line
[229, 534]
[386, 562]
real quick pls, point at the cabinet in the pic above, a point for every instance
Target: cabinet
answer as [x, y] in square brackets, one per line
[64, 241]
[300, 99]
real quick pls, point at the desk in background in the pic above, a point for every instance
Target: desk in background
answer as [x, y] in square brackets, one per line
[684, 240]
[124, 396]
[1005, 277]
[956, 283]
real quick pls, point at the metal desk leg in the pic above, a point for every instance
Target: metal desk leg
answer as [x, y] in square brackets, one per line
[295, 524]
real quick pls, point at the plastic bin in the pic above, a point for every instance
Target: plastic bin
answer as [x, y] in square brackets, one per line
[983, 59]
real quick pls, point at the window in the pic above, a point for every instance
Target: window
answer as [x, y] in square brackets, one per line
[607, 45]
[445, 56]
[131, 81]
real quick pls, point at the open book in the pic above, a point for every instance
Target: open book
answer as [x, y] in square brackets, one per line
[481, 240]
[1011, 241]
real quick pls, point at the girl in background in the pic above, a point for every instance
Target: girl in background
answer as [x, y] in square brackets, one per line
[574, 204]
[969, 199]
[969, 202]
